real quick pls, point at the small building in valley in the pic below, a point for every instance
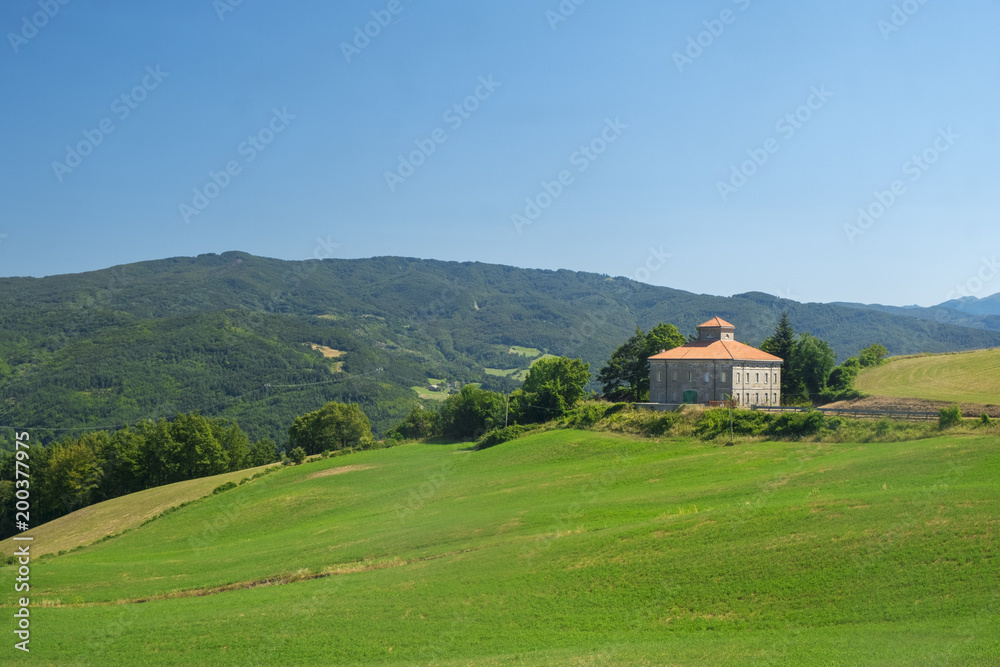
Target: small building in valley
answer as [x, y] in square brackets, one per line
[715, 367]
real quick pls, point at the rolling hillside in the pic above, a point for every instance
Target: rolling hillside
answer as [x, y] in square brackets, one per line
[967, 377]
[243, 337]
[566, 547]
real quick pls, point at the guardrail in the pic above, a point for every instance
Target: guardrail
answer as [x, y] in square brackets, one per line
[849, 412]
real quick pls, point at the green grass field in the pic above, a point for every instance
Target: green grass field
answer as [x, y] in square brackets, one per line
[565, 547]
[966, 377]
[428, 395]
[525, 351]
[95, 522]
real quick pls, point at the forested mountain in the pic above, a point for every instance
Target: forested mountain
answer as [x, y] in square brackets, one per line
[966, 312]
[243, 337]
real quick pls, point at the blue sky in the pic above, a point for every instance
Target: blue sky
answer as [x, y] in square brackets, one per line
[718, 147]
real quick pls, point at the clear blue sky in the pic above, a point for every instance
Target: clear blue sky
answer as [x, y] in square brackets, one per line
[200, 77]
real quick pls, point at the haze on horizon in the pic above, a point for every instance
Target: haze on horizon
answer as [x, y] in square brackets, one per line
[818, 153]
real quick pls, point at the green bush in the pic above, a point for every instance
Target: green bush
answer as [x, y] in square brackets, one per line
[984, 420]
[711, 424]
[297, 455]
[587, 414]
[791, 424]
[751, 422]
[662, 424]
[225, 487]
[950, 416]
[502, 435]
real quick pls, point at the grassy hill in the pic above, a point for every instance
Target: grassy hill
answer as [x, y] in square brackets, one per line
[968, 377]
[90, 524]
[246, 337]
[565, 547]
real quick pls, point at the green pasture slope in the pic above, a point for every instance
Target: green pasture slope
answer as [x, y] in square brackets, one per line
[566, 547]
[965, 377]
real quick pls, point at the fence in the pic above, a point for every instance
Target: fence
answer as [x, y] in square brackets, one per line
[849, 412]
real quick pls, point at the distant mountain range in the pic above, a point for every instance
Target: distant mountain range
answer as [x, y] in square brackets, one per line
[263, 340]
[966, 311]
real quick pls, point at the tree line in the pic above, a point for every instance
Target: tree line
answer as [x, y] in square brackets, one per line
[78, 471]
[551, 388]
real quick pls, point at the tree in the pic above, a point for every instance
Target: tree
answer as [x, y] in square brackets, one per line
[472, 412]
[842, 377]
[551, 387]
[123, 473]
[235, 443]
[73, 472]
[811, 364]
[297, 456]
[262, 453]
[873, 355]
[199, 453]
[420, 423]
[626, 375]
[334, 426]
[782, 344]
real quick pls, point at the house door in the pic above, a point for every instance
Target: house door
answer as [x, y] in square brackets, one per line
[690, 396]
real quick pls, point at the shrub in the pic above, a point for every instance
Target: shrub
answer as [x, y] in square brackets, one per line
[420, 423]
[587, 414]
[297, 456]
[950, 416]
[751, 422]
[502, 435]
[662, 424]
[224, 487]
[984, 420]
[790, 424]
[712, 423]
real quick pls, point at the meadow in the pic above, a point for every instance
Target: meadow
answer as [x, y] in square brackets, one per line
[564, 547]
[964, 377]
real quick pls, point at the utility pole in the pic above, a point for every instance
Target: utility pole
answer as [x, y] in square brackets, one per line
[730, 420]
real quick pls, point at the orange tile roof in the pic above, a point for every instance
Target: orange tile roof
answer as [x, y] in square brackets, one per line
[704, 350]
[716, 322]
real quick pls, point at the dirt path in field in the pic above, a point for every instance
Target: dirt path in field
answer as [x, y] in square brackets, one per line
[912, 405]
[339, 471]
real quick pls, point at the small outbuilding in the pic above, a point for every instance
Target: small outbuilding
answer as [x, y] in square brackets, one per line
[715, 367]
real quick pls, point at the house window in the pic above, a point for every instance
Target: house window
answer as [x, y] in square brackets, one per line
[748, 380]
[758, 377]
[690, 376]
[658, 376]
[775, 398]
[723, 376]
[675, 376]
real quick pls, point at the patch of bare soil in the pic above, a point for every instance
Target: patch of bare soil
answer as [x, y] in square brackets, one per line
[912, 405]
[339, 471]
[327, 352]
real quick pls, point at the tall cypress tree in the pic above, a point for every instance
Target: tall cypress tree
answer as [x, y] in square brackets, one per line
[782, 344]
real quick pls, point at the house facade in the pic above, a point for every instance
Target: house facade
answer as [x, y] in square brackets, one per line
[715, 367]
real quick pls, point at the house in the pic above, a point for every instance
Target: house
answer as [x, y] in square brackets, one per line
[714, 367]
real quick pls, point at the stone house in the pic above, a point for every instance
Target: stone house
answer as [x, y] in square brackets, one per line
[714, 367]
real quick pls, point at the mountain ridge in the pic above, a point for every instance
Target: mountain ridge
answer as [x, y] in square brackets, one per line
[231, 334]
